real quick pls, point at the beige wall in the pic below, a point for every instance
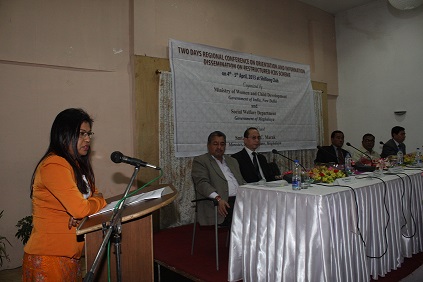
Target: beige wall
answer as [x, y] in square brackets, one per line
[286, 29]
[56, 54]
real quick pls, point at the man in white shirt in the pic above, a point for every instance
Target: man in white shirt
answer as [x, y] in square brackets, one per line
[367, 144]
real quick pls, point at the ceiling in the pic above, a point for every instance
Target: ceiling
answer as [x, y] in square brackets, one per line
[335, 6]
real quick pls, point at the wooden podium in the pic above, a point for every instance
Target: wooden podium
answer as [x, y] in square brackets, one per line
[136, 258]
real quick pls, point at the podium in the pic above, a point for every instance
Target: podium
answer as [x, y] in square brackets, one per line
[136, 258]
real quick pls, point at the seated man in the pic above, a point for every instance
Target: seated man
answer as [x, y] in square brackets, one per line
[395, 144]
[367, 144]
[333, 153]
[253, 165]
[216, 175]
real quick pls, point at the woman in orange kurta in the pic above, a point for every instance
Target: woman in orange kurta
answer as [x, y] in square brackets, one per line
[63, 192]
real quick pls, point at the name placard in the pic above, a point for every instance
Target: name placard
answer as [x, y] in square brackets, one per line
[396, 169]
[345, 180]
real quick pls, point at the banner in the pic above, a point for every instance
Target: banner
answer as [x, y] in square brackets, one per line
[219, 89]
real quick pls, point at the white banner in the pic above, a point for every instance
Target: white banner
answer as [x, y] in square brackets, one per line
[219, 89]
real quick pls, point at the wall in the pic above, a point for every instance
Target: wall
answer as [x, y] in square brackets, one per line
[380, 71]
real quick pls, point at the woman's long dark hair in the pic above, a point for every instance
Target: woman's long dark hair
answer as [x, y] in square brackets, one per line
[64, 134]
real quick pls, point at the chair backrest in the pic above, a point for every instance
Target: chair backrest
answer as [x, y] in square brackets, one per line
[274, 168]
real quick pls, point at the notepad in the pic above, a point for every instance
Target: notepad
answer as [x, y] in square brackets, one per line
[155, 194]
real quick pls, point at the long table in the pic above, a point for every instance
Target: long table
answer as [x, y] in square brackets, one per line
[326, 233]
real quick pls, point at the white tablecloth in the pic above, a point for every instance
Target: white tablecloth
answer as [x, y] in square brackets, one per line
[279, 234]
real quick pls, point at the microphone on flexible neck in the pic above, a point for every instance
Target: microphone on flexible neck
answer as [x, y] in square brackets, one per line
[330, 153]
[274, 151]
[118, 157]
[349, 144]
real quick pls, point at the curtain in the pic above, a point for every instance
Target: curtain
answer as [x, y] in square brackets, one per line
[178, 170]
[319, 116]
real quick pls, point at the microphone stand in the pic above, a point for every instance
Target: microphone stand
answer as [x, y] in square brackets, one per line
[274, 151]
[115, 227]
[306, 176]
[330, 153]
[349, 144]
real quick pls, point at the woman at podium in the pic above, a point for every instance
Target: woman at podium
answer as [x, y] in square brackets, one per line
[63, 192]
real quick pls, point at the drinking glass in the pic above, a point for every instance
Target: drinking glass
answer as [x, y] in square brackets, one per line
[306, 180]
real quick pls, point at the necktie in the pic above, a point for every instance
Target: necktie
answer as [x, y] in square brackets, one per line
[341, 157]
[256, 166]
[401, 147]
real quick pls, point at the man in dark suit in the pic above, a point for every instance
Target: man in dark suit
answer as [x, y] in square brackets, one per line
[216, 175]
[253, 165]
[392, 146]
[333, 153]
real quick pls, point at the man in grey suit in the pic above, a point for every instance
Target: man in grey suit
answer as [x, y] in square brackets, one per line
[216, 175]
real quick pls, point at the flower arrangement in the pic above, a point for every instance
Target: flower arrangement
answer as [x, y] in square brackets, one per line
[326, 174]
[287, 172]
[391, 161]
[409, 158]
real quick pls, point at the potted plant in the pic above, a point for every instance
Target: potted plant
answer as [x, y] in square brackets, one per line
[24, 229]
[3, 241]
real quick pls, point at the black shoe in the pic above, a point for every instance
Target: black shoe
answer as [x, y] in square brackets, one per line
[225, 223]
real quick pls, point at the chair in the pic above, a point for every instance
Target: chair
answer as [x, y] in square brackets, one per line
[216, 204]
[274, 168]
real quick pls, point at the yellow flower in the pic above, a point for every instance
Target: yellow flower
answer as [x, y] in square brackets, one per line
[409, 158]
[325, 174]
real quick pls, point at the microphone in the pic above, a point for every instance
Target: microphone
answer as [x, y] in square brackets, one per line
[349, 144]
[274, 151]
[381, 143]
[330, 153]
[118, 157]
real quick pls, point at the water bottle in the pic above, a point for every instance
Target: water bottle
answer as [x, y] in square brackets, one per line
[381, 165]
[296, 176]
[348, 166]
[400, 157]
[418, 158]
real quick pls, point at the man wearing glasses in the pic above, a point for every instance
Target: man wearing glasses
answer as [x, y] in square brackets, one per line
[253, 165]
[367, 144]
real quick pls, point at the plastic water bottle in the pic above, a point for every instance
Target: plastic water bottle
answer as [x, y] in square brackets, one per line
[348, 166]
[400, 157]
[381, 165]
[296, 176]
[418, 158]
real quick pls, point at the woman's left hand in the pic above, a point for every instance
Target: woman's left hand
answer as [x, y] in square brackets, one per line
[73, 222]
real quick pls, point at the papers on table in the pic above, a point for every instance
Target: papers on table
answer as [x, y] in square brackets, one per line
[155, 194]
